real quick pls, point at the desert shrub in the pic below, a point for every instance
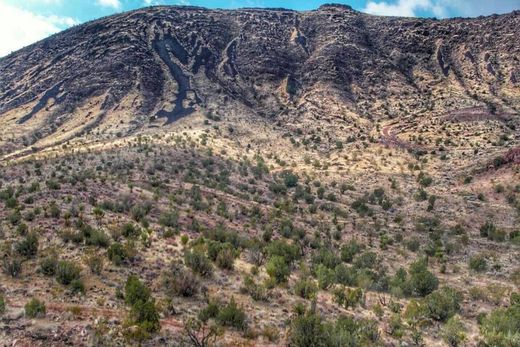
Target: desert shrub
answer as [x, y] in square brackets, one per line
[361, 207]
[226, 259]
[29, 246]
[325, 276]
[139, 212]
[116, 253]
[48, 265]
[98, 238]
[95, 263]
[143, 312]
[289, 252]
[366, 260]
[413, 245]
[66, 272]
[77, 286]
[169, 219]
[491, 232]
[196, 260]
[11, 202]
[349, 297]
[325, 257]
[290, 179]
[223, 254]
[129, 230]
[35, 308]
[421, 282]
[257, 291]
[478, 263]
[271, 333]
[345, 275]
[305, 288]
[443, 303]
[278, 269]
[308, 329]
[396, 326]
[501, 327]
[232, 315]
[15, 217]
[53, 184]
[453, 332]
[2, 304]
[12, 266]
[515, 277]
[210, 311]
[53, 210]
[424, 180]
[180, 282]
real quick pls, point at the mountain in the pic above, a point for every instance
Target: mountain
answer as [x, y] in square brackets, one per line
[153, 66]
[256, 177]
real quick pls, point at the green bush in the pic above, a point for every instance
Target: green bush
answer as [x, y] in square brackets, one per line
[257, 291]
[491, 232]
[290, 179]
[305, 288]
[501, 328]
[77, 286]
[443, 303]
[232, 315]
[12, 266]
[142, 306]
[325, 276]
[66, 272]
[223, 254]
[197, 261]
[48, 265]
[366, 260]
[116, 253]
[180, 282]
[478, 263]
[421, 282]
[129, 230]
[226, 259]
[453, 332]
[98, 238]
[280, 248]
[35, 308]
[95, 263]
[308, 329]
[169, 219]
[278, 269]
[29, 246]
[2, 304]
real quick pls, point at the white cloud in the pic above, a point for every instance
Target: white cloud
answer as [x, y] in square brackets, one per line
[19, 28]
[402, 8]
[115, 4]
[439, 8]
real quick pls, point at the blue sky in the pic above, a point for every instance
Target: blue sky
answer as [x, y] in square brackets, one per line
[23, 22]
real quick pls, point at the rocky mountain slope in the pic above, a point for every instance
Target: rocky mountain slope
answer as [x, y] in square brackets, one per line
[164, 63]
[262, 177]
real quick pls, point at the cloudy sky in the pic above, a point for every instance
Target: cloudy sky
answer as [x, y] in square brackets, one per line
[23, 22]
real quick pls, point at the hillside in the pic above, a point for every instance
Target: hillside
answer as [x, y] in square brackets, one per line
[269, 177]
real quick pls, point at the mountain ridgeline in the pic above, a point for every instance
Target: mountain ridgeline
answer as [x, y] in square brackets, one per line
[160, 64]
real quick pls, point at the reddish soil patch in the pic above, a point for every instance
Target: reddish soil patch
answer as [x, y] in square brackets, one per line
[474, 114]
[389, 138]
[513, 156]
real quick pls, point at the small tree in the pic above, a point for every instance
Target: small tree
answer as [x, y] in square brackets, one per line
[142, 306]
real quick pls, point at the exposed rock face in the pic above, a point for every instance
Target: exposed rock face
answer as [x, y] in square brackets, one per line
[168, 62]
